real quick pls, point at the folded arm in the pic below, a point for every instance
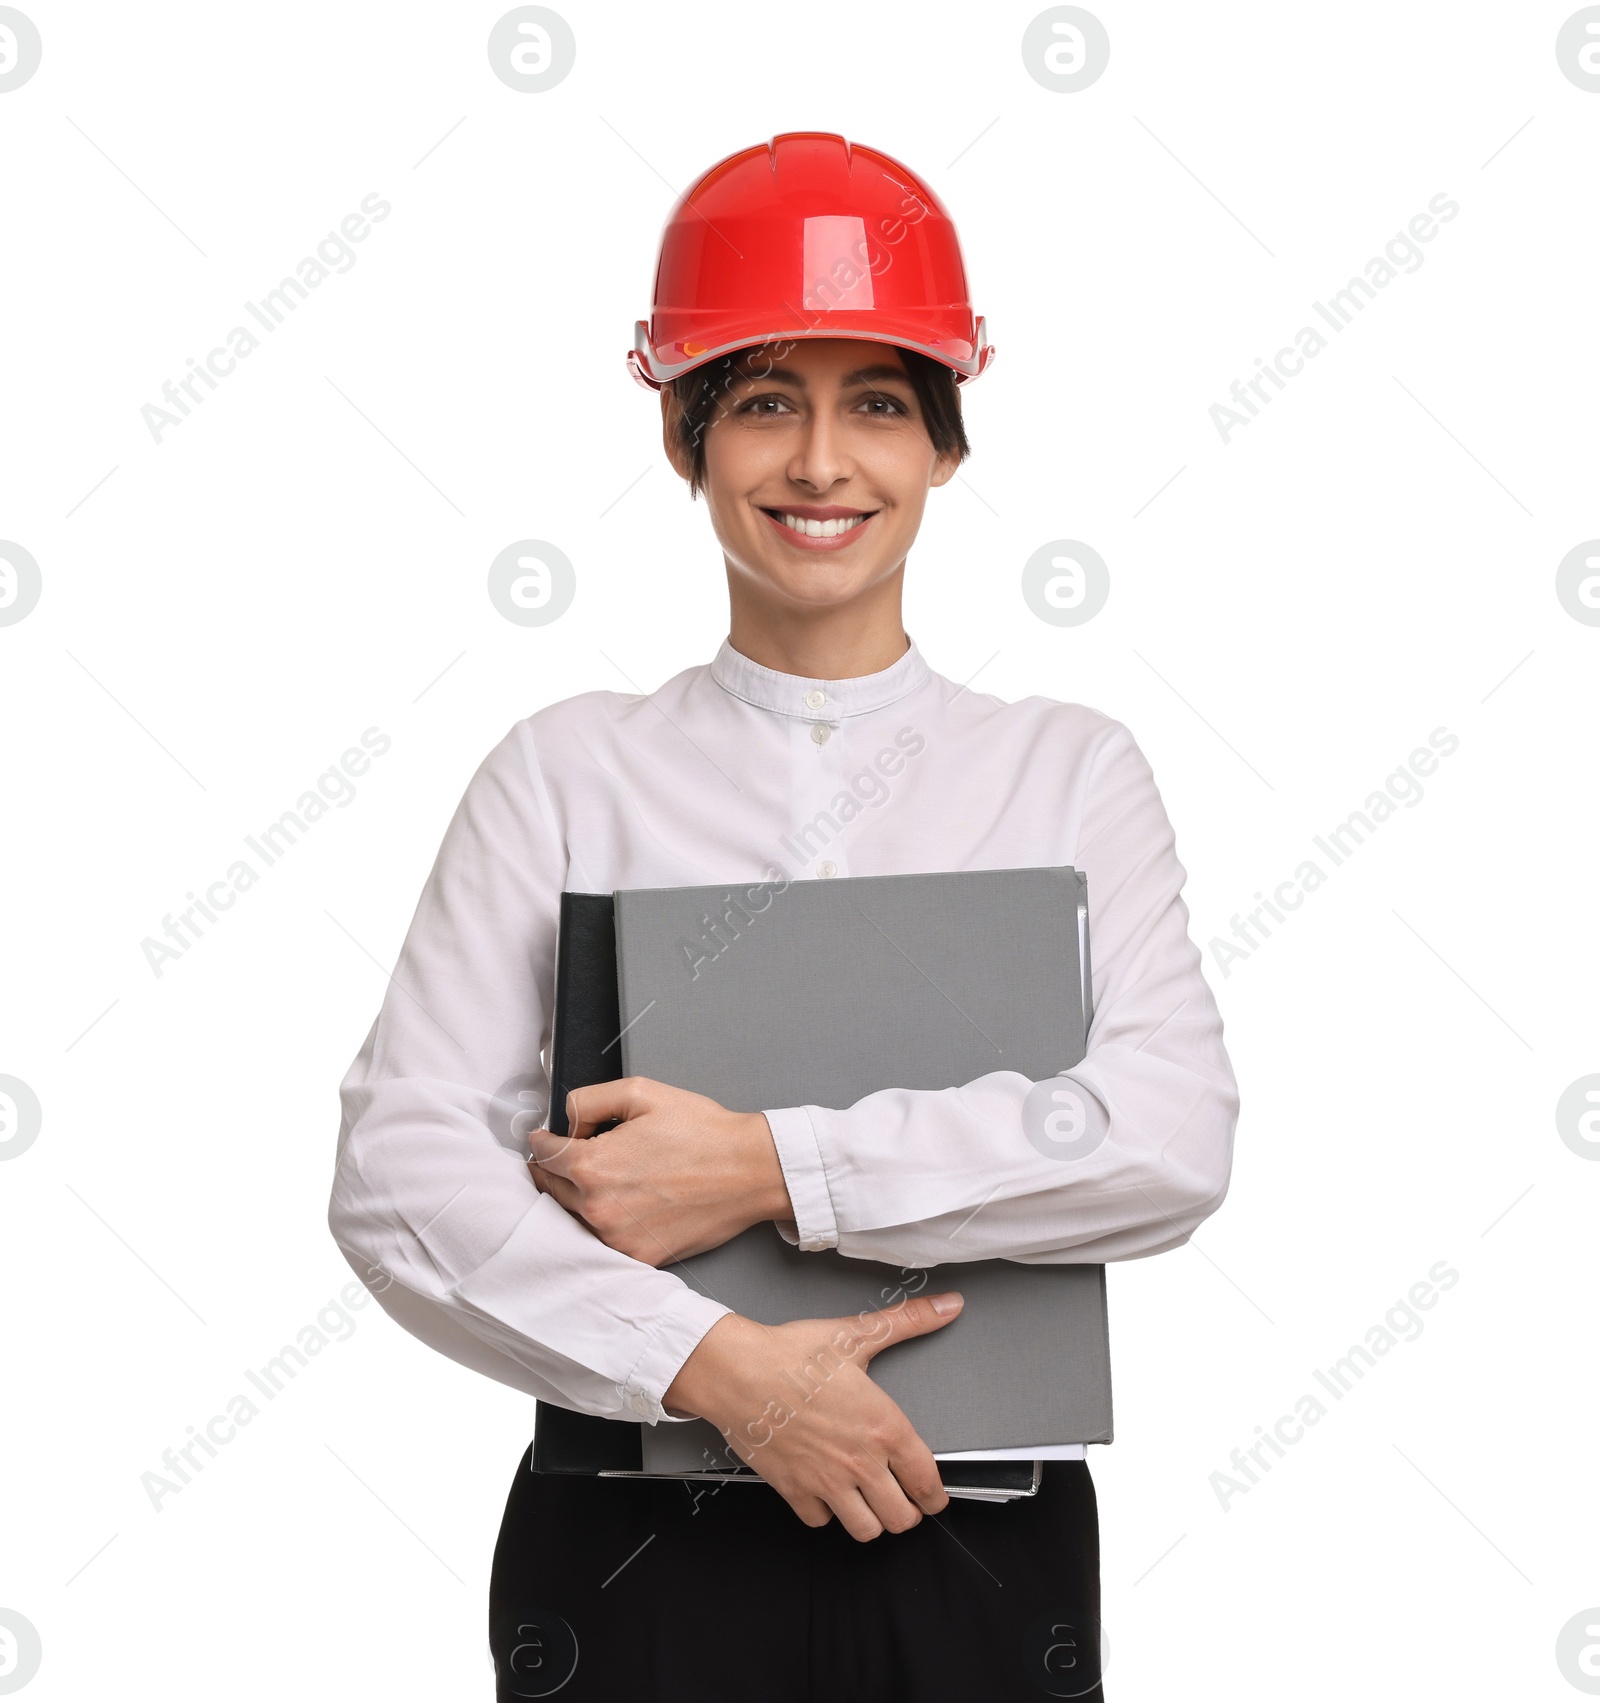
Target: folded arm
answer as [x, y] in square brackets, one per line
[432, 1201]
[1121, 1156]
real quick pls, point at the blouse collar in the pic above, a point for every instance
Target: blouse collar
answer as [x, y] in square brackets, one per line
[817, 700]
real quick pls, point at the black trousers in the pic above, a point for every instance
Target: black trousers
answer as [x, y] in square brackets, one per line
[655, 1591]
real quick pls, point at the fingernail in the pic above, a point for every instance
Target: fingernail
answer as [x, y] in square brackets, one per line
[951, 1303]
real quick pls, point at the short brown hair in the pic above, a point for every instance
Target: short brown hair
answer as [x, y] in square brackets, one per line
[697, 394]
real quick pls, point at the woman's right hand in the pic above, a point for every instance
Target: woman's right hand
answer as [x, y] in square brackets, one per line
[795, 1402]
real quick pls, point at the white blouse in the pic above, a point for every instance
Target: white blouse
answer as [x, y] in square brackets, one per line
[732, 772]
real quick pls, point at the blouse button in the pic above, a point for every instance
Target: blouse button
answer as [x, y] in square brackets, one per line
[820, 731]
[827, 867]
[815, 699]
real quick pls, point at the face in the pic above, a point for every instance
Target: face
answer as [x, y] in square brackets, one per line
[817, 470]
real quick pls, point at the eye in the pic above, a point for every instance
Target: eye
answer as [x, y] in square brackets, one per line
[884, 407]
[765, 407]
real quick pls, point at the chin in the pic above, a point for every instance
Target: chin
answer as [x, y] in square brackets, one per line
[816, 580]
[816, 593]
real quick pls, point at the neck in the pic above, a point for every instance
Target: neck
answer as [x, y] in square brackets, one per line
[840, 642]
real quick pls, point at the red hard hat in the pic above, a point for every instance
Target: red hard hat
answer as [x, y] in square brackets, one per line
[807, 236]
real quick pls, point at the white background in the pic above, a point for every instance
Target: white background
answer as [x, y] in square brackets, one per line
[305, 557]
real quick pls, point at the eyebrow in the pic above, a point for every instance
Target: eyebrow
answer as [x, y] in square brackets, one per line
[862, 375]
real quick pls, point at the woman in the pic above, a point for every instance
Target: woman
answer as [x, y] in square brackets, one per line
[810, 330]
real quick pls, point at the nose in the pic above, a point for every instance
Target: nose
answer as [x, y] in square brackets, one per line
[821, 458]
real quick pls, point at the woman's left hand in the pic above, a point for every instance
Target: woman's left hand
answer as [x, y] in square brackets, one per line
[679, 1175]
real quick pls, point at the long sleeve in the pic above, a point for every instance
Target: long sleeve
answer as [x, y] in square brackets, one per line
[1120, 1157]
[432, 1203]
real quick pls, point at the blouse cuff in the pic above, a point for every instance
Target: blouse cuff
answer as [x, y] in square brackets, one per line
[619, 1304]
[676, 1337]
[795, 1137]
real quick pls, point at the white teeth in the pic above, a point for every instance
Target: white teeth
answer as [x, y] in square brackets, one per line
[822, 528]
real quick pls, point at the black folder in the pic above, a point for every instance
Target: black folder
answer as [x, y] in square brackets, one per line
[587, 1048]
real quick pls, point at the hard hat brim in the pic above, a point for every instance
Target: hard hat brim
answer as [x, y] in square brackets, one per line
[653, 368]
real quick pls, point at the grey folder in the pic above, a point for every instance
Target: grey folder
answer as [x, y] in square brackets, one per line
[820, 992]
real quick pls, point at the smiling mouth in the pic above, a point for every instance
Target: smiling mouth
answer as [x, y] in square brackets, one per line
[836, 526]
